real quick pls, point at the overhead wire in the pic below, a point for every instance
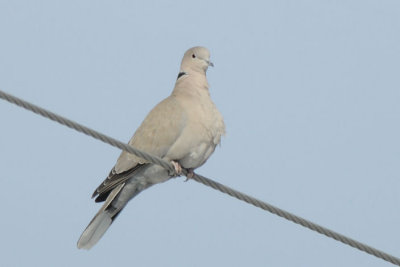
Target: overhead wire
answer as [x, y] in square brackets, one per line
[201, 179]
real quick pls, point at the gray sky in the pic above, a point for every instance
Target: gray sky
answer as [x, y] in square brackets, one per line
[310, 93]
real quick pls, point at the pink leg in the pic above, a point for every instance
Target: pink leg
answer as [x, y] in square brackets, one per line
[190, 174]
[177, 167]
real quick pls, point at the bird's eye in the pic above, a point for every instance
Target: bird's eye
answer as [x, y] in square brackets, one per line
[193, 56]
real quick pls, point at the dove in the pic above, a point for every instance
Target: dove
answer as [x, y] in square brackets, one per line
[183, 129]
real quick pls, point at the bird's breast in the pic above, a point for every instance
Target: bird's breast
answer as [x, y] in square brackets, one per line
[204, 133]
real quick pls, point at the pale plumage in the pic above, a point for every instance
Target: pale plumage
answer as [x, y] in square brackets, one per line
[184, 128]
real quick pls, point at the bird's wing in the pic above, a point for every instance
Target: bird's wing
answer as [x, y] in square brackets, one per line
[156, 135]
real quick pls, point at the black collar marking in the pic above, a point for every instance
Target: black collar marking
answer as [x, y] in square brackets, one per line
[181, 74]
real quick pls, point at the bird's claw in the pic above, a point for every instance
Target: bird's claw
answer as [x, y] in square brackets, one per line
[177, 168]
[178, 171]
[190, 174]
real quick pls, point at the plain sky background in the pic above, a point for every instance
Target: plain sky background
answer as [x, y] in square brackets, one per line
[310, 93]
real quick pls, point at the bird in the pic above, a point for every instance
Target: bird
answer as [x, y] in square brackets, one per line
[183, 129]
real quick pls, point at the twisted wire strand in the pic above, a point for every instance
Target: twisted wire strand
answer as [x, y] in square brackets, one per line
[201, 179]
[83, 129]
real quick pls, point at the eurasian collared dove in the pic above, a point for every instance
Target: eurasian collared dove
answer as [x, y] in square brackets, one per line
[184, 129]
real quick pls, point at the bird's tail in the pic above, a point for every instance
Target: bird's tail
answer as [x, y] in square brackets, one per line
[101, 221]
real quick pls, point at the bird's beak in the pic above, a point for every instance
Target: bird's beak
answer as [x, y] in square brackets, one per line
[210, 63]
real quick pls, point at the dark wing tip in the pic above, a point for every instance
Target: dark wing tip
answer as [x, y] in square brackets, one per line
[112, 181]
[98, 189]
[102, 197]
[95, 193]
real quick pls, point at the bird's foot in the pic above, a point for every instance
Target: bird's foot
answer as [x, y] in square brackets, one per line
[190, 174]
[177, 167]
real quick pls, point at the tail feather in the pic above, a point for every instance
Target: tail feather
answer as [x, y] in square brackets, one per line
[95, 230]
[101, 222]
[115, 202]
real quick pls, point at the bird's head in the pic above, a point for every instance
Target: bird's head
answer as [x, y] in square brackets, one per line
[196, 59]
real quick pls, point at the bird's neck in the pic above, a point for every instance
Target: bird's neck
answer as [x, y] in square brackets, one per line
[192, 82]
